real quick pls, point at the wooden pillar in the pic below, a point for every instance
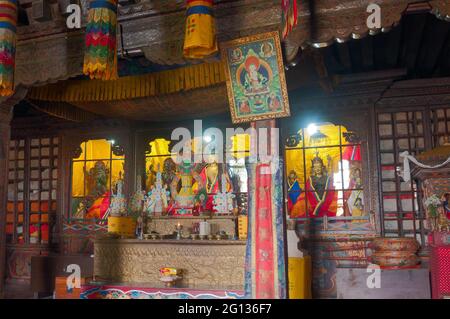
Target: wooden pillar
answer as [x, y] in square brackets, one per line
[266, 257]
[5, 119]
[6, 107]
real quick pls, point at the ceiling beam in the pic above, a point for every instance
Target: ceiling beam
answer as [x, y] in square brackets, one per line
[367, 53]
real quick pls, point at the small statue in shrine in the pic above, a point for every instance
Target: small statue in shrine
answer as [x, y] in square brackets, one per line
[200, 202]
[137, 200]
[80, 210]
[118, 205]
[140, 227]
[354, 197]
[156, 201]
[294, 191]
[223, 200]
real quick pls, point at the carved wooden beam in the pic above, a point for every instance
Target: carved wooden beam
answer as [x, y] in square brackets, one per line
[441, 8]
[47, 51]
[163, 42]
[323, 22]
[49, 59]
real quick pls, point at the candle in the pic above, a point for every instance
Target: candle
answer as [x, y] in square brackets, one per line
[205, 229]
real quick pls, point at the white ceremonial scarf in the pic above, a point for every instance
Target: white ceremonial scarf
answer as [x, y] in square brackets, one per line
[406, 175]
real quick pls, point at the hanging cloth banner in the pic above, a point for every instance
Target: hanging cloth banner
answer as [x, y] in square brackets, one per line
[265, 254]
[100, 57]
[200, 36]
[289, 16]
[406, 175]
[8, 22]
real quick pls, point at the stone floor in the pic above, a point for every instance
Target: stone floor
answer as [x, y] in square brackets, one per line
[352, 283]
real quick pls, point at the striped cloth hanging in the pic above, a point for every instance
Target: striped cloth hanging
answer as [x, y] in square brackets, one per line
[200, 36]
[8, 22]
[100, 58]
[289, 16]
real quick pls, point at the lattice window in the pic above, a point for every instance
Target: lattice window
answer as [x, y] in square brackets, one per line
[440, 125]
[32, 186]
[399, 131]
[324, 173]
[97, 167]
[402, 214]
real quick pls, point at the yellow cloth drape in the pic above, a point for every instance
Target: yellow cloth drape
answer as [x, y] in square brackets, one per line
[129, 87]
[200, 35]
[300, 277]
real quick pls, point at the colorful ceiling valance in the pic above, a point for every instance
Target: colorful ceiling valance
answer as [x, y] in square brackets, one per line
[8, 22]
[100, 57]
[200, 34]
[129, 87]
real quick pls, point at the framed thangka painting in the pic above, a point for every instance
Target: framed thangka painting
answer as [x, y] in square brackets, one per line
[256, 83]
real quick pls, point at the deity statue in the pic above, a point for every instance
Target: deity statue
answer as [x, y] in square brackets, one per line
[97, 179]
[319, 192]
[210, 179]
[169, 171]
[184, 198]
[98, 198]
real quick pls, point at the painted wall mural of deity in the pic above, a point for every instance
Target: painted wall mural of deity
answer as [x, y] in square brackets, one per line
[255, 76]
[256, 81]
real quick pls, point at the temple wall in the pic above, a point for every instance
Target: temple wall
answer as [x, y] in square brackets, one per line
[343, 246]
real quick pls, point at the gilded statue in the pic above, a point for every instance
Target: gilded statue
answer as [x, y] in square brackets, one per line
[320, 195]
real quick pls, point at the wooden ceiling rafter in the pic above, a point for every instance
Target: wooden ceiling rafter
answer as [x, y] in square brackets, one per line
[420, 44]
[55, 53]
[330, 21]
